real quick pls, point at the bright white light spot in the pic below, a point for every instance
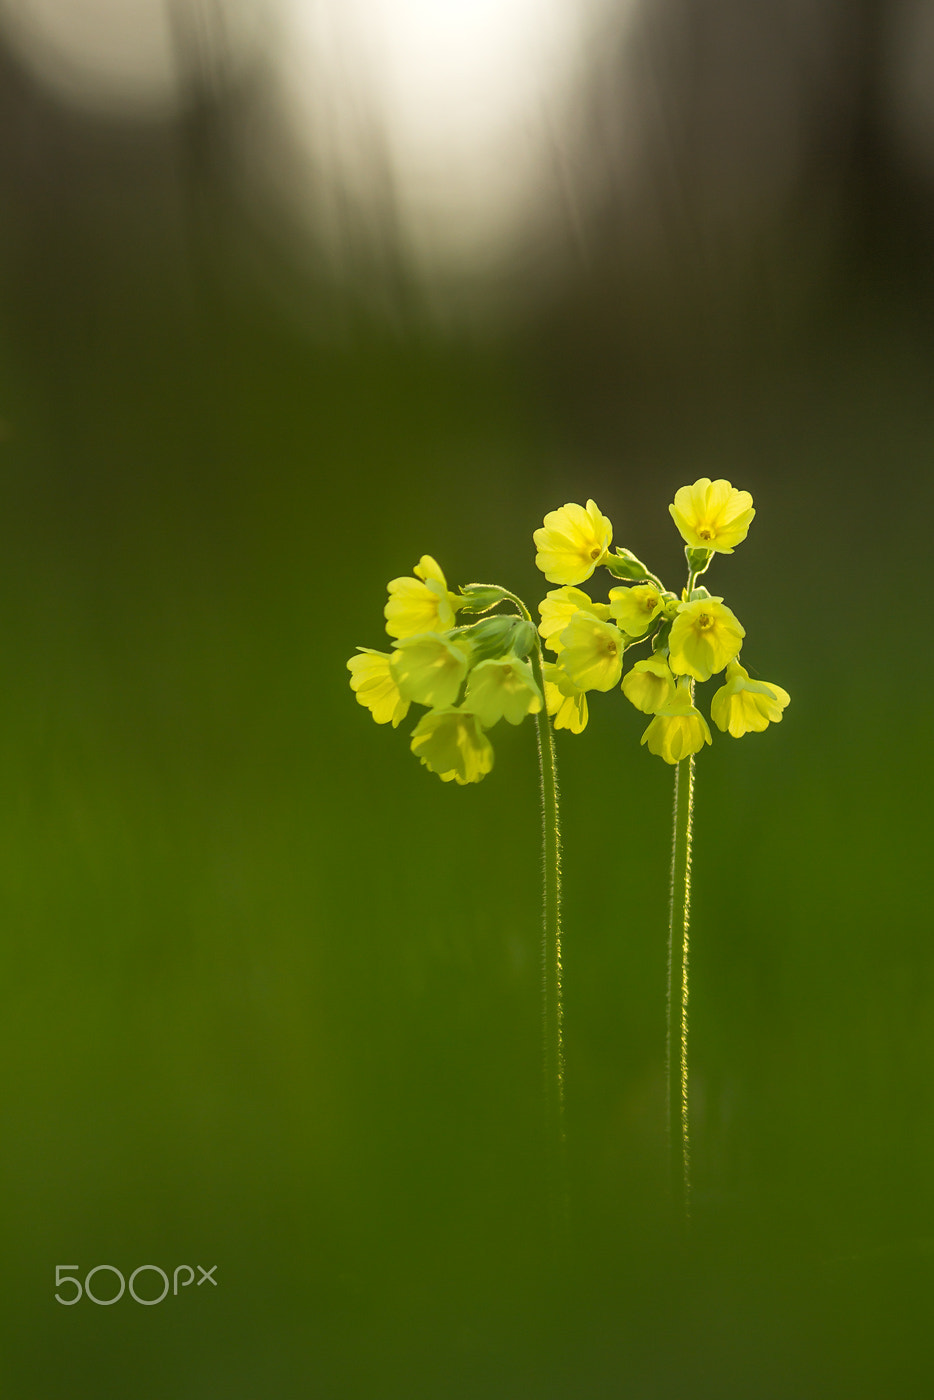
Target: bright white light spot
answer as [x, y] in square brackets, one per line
[448, 106]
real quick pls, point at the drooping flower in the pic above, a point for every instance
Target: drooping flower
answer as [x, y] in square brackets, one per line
[558, 608]
[744, 706]
[452, 744]
[649, 685]
[374, 686]
[429, 669]
[678, 729]
[566, 704]
[712, 515]
[592, 652]
[420, 604]
[705, 636]
[633, 609]
[572, 542]
[502, 689]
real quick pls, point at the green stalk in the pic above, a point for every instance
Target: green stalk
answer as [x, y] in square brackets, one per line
[552, 1005]
[678, 931]
[552, 1008]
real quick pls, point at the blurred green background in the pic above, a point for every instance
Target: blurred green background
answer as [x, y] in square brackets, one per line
[270, 990]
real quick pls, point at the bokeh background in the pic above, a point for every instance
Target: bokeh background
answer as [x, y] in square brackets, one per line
[292, 292]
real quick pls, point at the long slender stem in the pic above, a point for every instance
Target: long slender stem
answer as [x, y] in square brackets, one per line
[552, 1003]
[678, 933]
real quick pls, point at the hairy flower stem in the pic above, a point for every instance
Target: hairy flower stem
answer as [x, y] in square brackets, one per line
[552, 1007]
[678, 929]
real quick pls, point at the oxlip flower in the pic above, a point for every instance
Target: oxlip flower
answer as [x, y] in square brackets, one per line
[592, 652]
[374, 686]
[429, 669]
[452, 744]
[633, 609]
[678, 729]
[558, 608]
[649, 685]
[712, 515]
[502, 689]
[572, 542]
[566, 704]
[743, 706]
[420, 604]
[705, 636]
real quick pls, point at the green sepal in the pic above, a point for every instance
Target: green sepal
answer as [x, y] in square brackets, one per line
[524, 638]
[481, 597]
[699, 594]
[624, 564]
[660, 640]
[496, 637]
[698, 559]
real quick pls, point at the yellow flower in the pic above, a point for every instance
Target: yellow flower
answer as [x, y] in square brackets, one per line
[743, 706]
[452, 744]
[678, 729]
[634, 608]
[421, 604]
[372, 682]
[592, 652]
[705, 636]
[559, 606]
[502, 689]
[572, 542]
[712, 515]
[649, 685]
[565, 703]
[429, 669]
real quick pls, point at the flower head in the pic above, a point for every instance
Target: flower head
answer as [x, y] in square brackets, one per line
[503, 689]
[633, 609]
[452, 744]
[429, 669]
[678, 729]
[420, 604]
[558, 608]
[564, 701]
[712, 515]
[572, 542]
[374, 686]
[649, 685]
[705, 636]
[592, 652]
[743, 706]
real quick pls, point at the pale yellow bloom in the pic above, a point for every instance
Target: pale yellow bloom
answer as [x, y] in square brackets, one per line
[712, 515]
[572, 542]
[633, 609]
[564, 701]
[502, 689]
[705, 636]
[452, 744]
[744, 706]
[374, 686]
[649, 685]
[558, 608]
[592, 653]
[421, 604]
[678, 729]
[429, 669]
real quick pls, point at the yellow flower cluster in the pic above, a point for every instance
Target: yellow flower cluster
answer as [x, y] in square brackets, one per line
[468, 677]
[693, 637]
